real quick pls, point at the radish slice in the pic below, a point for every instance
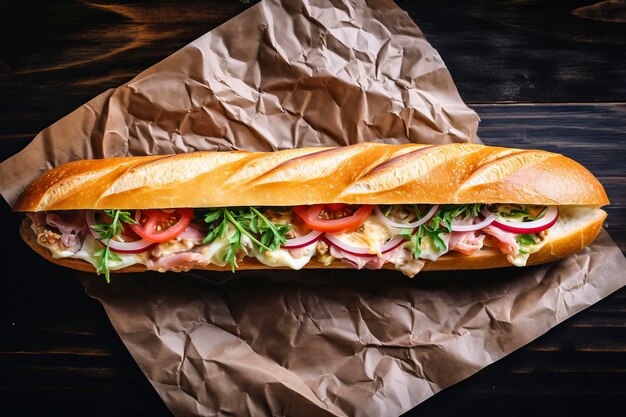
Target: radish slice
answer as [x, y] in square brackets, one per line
[472, 227]
[420, 222]
[360, 251]
[303, 241]
[137, 246]
[547, 221]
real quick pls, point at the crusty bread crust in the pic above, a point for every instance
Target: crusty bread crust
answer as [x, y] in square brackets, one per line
[366, 173]
[486, 258]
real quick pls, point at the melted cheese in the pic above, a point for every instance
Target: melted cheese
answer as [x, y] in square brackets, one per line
[283, 257]
[215, 252]
[406, 263]
[174, 246]
[372, 235]
[520, 259]
[91, 246]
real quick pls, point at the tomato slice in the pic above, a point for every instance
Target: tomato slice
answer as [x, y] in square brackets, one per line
[335, 207]
[159, 226]
[310, 215]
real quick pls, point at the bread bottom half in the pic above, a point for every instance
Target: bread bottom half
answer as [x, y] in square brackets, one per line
[568, 238]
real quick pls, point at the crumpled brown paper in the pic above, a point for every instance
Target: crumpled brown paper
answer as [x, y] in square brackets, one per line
[337, 343]
[340, 343]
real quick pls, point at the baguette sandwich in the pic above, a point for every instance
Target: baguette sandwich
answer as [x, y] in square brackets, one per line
[406, 207]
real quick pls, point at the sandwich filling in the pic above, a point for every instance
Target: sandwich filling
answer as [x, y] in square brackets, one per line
[361, 236]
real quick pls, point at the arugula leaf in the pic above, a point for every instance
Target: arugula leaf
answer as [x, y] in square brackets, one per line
[475, 209]
[516, 214]
[441, 223]
[435, 222]
[418, 215]
[251, 223]
[446, 215]
[232, 219]
[437, 240]
[275, 232]
[108, 231]
[233, 248]
[523, 212]
[216, 232]
[525, 240]
[415, 240]
[213, 215]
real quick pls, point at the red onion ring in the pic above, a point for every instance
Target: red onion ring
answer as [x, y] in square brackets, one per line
[137, 246]
[302, 241]
[547, 221]
[360, 251]
[413, 225]
[472, 227]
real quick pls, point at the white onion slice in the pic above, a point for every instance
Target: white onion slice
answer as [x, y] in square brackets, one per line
[360, 251]
[392, 244]
[472, 227]
[413, 225]
[303, 241]
[547, 221]
[116, 246]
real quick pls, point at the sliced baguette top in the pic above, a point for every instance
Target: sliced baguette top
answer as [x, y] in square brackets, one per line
[366, 173]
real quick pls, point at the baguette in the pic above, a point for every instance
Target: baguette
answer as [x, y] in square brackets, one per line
[364, 174]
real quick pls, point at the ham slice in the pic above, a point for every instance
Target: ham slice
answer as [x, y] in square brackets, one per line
[401, 258]
[71, 225]
[506, 240]
[178, 262]
[71, 241]
[468, 243]
[193, 233]
[68, 222]
[360, 262]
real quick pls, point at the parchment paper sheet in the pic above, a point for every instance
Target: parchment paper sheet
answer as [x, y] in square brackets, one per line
[368, 343]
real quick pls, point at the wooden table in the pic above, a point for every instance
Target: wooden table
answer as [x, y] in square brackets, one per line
[540, 74]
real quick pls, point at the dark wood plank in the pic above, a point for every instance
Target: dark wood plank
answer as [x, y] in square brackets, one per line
[57, 55]
[529, 51]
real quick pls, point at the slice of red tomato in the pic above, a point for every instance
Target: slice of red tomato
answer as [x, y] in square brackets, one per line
[159, 226]
[335, 207]
[310, 215]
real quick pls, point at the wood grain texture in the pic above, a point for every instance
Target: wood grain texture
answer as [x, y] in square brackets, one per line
[58, 352]
[529, 51]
